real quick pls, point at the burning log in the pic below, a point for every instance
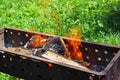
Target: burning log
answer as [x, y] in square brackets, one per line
[58, 58]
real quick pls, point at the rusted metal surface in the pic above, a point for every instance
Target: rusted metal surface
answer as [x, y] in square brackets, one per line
[35, 68]
[113, 72]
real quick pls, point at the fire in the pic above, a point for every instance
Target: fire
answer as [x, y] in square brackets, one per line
[73, 49]
[37, 41]
[73, 46]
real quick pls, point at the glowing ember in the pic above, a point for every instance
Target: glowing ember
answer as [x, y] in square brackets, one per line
[49, 64]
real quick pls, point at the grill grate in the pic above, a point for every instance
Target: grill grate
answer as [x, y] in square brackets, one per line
[104, 58]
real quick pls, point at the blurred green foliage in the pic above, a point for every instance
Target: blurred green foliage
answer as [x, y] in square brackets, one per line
[97, 19]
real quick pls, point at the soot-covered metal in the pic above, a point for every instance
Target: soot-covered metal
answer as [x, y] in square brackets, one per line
[104, 59]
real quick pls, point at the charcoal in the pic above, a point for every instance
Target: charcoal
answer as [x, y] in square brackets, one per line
[52, 44]
[55, 45]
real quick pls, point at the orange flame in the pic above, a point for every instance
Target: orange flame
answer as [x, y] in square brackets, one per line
[73, 47]
[36, 41]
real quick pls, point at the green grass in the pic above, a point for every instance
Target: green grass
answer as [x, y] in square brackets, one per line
[98, 20]
[4, 76]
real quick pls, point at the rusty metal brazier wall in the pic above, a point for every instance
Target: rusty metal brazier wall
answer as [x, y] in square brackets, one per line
[35, 68]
